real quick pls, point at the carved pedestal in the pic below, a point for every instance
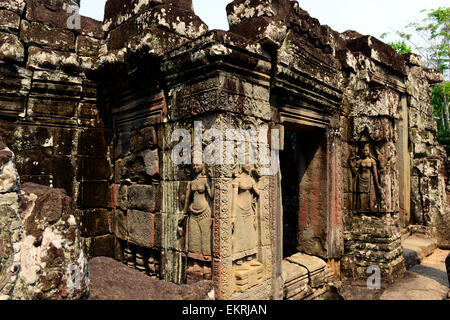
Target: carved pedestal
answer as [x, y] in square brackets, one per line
[248, 274]
[372, 240]
[198, 270]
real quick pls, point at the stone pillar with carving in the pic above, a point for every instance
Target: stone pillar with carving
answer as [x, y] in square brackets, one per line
[147, 199]
[372, 234]
[429, 199]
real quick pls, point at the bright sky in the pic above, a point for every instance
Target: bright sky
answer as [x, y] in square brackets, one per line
[369, 17]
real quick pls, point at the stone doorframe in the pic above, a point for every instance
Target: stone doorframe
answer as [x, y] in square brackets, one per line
[297, 117]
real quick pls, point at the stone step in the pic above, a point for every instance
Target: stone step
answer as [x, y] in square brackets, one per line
[416, 248]
[305, 277]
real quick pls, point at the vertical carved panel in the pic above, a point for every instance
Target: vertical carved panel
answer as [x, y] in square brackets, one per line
[198, 226]
[246, 207]
[222, 252]
[367, 193]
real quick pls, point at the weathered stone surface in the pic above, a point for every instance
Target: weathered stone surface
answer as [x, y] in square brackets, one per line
[16, 6]
[41, 254]
[145, 138]
[419, 244]
[87, 46]
[11, 48]
[9, 179]
[143, 26]
[120, 225]
[142, 198]
[93, 142]
[88, 99]
[260, 19]
[379, 52]
[94, 194]
[411, 258]
[93, 168]
[47, 107]
[312, 263]
[413, 59]
[141, 228]
[59, 18]
[61, 4]
[119, 11]
[9, 21]
[304, 277]
[140, 166]
[434, 76]
[443, 230]
[100, 246]
[428, 196]
[53, 264]
[371, 240]
[47, 59]
[377, 102]
[38, 33]
[11, 226]
[357, 290]
[415, 287]
[111, 280]
[180, 22]
[95, 222]
[151, 162]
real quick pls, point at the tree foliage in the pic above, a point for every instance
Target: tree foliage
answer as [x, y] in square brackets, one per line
[434, 34]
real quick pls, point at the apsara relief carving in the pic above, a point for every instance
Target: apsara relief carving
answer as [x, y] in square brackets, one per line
[367, 193]
[245, 211]
[196, 225]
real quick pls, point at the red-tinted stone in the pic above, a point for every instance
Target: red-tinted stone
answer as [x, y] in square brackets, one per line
[112, 280]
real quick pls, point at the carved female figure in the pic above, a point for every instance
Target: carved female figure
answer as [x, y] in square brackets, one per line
[244, 216]
[366, 188]
[199, 216]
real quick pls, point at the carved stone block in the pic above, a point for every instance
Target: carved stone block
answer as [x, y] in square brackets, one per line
[140, 227]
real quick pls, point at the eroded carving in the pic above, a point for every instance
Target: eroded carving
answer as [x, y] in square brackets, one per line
[129, 257]
[143, 259]
[245, 208]
[244, 219]
[154, 267]
[366, 187]
[198, 228]
[140, 261]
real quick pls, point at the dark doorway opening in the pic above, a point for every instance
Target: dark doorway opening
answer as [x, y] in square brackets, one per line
[303, 185]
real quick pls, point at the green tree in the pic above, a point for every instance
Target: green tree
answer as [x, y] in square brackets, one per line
[434, 33]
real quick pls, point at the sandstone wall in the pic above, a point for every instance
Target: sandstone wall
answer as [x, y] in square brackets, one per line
[276, 67]
[94, 110]
[48, 107]
[429, 205]
[41, 251]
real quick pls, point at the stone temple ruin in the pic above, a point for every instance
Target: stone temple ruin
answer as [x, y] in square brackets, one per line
[91, 115]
